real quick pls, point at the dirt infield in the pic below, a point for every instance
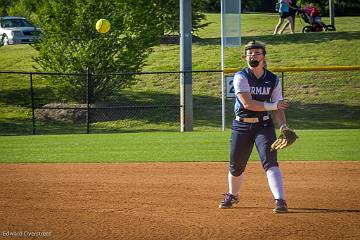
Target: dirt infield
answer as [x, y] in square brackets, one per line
[176, 201]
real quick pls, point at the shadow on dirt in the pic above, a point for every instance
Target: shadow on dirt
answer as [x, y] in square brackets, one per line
[322, 210]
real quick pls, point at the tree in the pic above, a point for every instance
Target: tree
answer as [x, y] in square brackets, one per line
[342, 7]
[4, 5]
[71, 44]
[170, 15]
[347, 8]
[25, 8]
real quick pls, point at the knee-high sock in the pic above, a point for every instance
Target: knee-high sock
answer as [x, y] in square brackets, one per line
[234, 183]
[275, 182]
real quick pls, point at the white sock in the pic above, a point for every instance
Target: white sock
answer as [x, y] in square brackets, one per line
[234, 184]
[275, 182]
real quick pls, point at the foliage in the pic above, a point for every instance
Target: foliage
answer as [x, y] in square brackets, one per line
[213, 6]
[341, 7]
[348, 7]
[4, 5]
[25, 8]
[171, 18]
[169, 11]
[71, 43]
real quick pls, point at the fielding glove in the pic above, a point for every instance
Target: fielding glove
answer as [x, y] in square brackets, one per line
[286, 138]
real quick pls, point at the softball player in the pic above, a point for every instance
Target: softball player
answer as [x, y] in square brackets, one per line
[258, 91]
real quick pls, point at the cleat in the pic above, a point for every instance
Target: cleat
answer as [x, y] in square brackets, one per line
[228, 201]
[281, 206]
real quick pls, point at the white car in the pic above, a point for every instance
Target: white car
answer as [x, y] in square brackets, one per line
[16, 30]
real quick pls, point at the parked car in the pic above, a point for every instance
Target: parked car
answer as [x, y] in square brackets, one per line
[16, 30]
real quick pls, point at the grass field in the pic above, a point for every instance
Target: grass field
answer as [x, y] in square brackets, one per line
[313, 49]
[168, 147]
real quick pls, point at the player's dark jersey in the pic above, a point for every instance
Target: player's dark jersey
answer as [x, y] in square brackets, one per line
[265, 89]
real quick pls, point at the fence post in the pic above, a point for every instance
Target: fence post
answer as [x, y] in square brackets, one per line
[32, 104]
[186, 97]
[88, 98]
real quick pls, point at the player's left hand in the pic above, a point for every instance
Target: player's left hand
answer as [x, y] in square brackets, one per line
[286, 138]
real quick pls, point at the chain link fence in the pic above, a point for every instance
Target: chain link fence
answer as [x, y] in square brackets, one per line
[29, 104]
[323, 99]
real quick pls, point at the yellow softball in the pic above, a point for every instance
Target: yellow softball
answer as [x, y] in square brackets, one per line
[103, 25]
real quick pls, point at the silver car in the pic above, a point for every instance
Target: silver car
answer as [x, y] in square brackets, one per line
[16, 30]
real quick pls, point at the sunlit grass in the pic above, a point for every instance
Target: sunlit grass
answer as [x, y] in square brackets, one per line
[167, 147]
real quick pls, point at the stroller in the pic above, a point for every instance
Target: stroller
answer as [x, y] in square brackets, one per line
[311, 15]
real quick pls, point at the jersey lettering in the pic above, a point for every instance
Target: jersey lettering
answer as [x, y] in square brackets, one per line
[260, 90]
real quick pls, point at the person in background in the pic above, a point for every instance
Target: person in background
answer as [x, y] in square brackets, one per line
[293, 8]
[283, 9]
